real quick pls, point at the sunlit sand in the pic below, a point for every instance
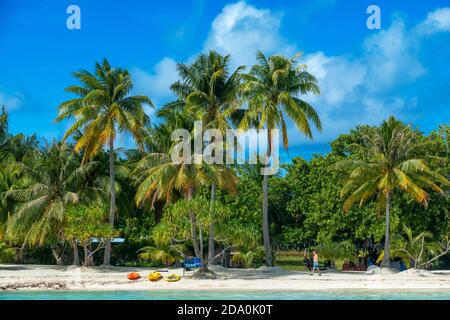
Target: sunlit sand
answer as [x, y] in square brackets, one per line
[40, 277]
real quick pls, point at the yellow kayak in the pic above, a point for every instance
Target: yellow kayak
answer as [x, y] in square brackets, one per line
[172, 278]
[154, 276]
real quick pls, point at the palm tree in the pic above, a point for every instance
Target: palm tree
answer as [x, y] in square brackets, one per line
[11, 177]
[208, 89]
[210, 92]
[41, 214]
[14, 148]
[272, 90]
[391, 164]
[159, 181]
[3, 124]
[103, 108]
[158, 178]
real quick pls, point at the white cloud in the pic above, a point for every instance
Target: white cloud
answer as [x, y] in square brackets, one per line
[242, 29]
[354, 89]
[436, 21]
[156, 84]
[391, 57]
[11, 102]
[378, 108]
[338, 77]
[360, 90]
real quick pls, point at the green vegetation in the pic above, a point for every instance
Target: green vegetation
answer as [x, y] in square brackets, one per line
[81, 192]
[416, 249]
[86, 226]
[249, 259]
[159, 256]
[289, 260]
[103, 108]
[391, 160]
[7, 254]
[272, 89]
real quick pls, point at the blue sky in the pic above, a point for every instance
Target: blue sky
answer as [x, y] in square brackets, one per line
[365, 75]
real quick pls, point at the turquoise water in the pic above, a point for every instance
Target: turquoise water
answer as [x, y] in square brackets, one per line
[216, 295]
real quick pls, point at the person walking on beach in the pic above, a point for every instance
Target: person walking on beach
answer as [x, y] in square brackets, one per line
[307, 261]
[315, 263]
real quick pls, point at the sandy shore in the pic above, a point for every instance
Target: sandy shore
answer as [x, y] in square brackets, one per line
[38, 277]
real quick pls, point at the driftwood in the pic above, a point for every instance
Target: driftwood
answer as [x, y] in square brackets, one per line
[445, 246]
[40, 285]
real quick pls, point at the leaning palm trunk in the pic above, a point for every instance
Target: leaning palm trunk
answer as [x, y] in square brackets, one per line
[387, 240]
[195, 242]
[211, 248]
[265, 222]
[57, 255]
[112, 207]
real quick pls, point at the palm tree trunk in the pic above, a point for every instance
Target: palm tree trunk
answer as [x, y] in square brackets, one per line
[200, 237]
[86, 257]
[265, 222]
[76, 254]
[387, 240]
[211, 248]
[112, 207]
[195, 242]
[265, 217]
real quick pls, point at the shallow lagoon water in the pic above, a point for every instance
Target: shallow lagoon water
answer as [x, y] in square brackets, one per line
[223, 295]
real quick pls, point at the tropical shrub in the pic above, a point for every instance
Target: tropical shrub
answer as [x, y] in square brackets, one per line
[154, 255]
[7, 254]
[87, 226]
[249, 259]
[413, 250]
[337, 251]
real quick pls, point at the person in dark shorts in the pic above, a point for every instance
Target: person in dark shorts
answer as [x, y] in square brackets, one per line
[307, 261]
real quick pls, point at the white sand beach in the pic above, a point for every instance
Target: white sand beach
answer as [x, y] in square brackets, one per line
[40, 277]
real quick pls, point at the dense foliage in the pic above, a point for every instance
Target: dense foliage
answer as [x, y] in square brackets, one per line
[308, 198]
[81, 192]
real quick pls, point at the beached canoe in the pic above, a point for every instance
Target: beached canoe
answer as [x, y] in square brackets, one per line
[133, 276]
[154, 276]
[172, 278]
